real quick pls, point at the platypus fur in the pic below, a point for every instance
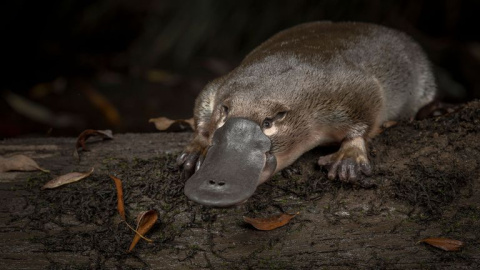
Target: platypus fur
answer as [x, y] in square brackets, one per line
[313, 84]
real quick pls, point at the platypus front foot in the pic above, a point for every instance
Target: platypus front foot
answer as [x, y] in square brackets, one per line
[192, 157]
[349, 162]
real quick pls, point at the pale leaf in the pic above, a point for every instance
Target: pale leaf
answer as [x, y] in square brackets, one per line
[19, 163]
[164, 123]
[67, 179]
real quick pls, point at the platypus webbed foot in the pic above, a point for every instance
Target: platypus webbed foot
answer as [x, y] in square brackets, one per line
[349, 162]
[192, 157]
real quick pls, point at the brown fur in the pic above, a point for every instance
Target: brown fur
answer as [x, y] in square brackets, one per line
[335, 82]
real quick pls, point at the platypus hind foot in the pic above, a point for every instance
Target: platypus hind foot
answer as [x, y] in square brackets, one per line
[192, 157]
[348, 162]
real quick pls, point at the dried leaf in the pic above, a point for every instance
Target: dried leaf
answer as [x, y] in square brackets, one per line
[141, 216]
[44, 89]
[67, 179]
[161, 76]
[161, 123]
[40, 113]
[100, 101]
[19, 163]
[105, 134]
[164, 123]
[145, 221]
[443, 243]
[269, 223]
[120, 204]
[190, 122]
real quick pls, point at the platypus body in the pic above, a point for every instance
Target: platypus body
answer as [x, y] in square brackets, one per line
[314, 84]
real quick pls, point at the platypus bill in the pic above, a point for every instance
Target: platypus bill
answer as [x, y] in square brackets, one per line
[313, 84]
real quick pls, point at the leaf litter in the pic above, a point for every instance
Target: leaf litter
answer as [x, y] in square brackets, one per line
[446, 244]
[270, 223]
[67, 179]
[83, 137]
[145, 219]
[164, 123]
[19, 163]
[120, 204]
[101, 102]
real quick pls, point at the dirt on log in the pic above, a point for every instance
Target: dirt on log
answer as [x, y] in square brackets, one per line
[425, 184]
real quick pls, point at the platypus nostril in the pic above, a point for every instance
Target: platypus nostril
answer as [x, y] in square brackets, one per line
[214, 183]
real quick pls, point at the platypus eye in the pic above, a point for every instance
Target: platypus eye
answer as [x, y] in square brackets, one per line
[267, 123]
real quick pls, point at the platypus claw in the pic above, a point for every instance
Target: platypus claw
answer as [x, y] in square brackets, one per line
[189, 163]
[192, 157]
[347, 170]
[181, 158]
[199, 163]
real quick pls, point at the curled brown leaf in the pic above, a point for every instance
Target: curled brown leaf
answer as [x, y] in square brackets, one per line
[446, 244]
[19, 163]
[105, 134]
[145, 221]
[270, 223]
[67, 179]
[120, 204]
[141, 215]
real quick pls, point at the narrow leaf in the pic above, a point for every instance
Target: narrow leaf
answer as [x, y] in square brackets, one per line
[19, 163]
[40, 113]
[120, 204]
[443, 243]
[145, 222]
[67, 179]
[102, 103]
[269, 223]
[164, 123]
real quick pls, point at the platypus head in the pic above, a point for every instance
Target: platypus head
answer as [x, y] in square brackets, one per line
[249, 131]
[254, 131]
[237, 161]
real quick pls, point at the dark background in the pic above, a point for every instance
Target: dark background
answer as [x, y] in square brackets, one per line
[112, 64]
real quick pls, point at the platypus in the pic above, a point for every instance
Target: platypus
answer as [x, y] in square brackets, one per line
[310, 85]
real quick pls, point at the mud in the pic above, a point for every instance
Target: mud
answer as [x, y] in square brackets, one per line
[425, 184]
